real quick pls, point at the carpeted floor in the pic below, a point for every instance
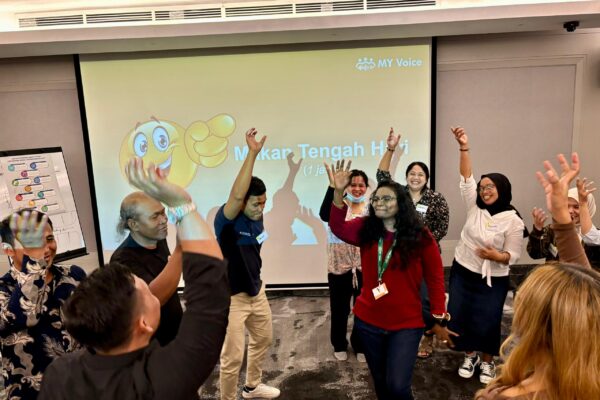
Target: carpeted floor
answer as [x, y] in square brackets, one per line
[302, 365]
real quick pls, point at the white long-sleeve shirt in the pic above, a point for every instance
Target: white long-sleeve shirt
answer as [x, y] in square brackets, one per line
[592, 237]
[502, 231]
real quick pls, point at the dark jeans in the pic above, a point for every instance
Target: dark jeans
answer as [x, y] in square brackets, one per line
[391, 357]
[340, 294]
[476, 310]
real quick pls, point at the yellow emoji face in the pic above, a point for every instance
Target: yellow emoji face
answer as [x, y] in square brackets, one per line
[160, 142]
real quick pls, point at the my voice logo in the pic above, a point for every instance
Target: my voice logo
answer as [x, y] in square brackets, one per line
[368, 63]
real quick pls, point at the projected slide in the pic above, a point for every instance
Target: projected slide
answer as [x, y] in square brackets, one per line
[187, 113]
[37, 179]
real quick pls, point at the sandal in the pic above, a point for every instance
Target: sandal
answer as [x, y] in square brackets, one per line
[426, 347]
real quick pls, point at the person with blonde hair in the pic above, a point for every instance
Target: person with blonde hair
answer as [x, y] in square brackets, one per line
[554, 336]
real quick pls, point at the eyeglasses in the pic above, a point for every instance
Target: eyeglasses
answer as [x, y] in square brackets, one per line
[487, 187]
[385, 199]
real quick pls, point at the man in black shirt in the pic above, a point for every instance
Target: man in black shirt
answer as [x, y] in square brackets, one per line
[114, 315]
[146, 253]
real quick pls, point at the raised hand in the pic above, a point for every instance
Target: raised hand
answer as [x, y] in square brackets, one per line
[539, 218]
[393, 140]
[341, 175]
[461, 136]
[152, 181]
[584, 188]
[253, 144]
[27, 230]
[556, 186]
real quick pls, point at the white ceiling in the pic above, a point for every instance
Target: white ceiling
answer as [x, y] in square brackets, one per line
[448, 17]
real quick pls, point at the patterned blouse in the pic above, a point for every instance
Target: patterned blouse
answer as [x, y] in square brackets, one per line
[436, 214]
[341, 257]
[31, 328]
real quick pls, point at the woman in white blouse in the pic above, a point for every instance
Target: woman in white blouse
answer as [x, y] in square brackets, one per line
[490, 242]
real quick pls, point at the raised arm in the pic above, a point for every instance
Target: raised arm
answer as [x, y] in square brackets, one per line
[341, 179]
[556, 188]
[202, 331]
[383, 170]
[539, 241]
[235, 202]
[326, 204]
[24, 305]
[165, 284]
[463, 145]
[584, 189]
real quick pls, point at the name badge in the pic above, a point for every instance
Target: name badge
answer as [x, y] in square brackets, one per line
[492, 227]
[422, 208]
[262, 237]
[380, 291]
[553, 250]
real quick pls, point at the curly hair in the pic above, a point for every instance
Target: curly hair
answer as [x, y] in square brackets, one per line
[409, 227]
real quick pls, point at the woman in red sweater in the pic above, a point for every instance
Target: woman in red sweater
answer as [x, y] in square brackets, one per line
[397, 253]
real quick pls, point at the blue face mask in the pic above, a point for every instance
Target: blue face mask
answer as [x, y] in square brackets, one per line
[355, 200]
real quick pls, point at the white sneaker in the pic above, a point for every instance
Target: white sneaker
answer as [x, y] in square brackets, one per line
[361, 357]
[262, 391]
[340, 355]
[488, 372]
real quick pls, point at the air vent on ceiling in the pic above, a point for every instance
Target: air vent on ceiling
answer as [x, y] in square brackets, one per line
[199, 13]
[259, 10]
[119, 17]
[51, 21]
[228, 10]
[330, 6]
[377, 4]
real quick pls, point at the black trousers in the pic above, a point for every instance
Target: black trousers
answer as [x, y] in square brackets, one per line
[341, 293]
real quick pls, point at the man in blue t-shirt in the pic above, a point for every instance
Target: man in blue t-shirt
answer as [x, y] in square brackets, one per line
[240, 232]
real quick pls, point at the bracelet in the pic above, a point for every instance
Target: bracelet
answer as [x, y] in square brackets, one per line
[176, 214]
[467, 149]
[389, 149]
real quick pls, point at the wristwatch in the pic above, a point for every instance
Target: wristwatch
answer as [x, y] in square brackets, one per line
[442, 319]
[176, 214]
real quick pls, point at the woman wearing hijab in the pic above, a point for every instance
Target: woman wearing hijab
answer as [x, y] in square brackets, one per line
[490, 242]
[582, 207]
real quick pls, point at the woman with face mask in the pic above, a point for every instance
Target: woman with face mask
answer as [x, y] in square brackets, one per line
[582, 207]
[344, 273]
[490, 242]
[397, 252]
[433, 210]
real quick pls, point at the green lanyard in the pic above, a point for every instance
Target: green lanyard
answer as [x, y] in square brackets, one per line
[383, 264]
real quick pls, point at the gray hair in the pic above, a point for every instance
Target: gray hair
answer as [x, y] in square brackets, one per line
[128, 211]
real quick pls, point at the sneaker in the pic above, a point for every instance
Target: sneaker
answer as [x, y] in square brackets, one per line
[262, 391]
[488, 372]
[361, 357]
[340, 355]
[467, 369]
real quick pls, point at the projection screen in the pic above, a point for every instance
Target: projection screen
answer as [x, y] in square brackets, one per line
[188, 111]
